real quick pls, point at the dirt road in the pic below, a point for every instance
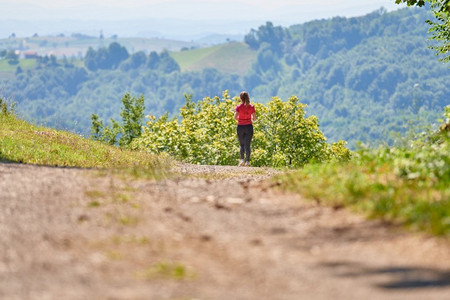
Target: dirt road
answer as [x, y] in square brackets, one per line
[215, 234]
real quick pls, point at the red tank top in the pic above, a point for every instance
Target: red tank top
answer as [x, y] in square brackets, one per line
[245, 114]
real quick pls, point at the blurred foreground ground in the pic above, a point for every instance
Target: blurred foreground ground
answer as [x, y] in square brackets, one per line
[214, 233]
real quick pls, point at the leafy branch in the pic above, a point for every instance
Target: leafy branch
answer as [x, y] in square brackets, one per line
[439, 28]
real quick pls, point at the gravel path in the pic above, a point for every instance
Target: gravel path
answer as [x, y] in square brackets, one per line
[213, 233]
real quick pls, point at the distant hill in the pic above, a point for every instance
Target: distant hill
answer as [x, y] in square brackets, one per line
[234, 57]
[76, 45]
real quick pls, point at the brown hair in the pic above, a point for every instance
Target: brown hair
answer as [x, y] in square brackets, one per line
[245, 99]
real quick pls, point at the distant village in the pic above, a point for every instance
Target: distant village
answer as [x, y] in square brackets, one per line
[60, 45]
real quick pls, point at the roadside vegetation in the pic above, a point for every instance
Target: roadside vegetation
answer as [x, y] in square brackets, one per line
[408, 184]
[23, 142]
[204, 133]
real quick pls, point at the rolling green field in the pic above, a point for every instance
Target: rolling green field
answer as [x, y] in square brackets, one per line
[230, 58]
[25, 64]
[7, 70]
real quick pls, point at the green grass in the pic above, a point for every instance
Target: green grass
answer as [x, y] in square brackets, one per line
[230, 58]
[23, 142]
[408, 186]
[25, 64]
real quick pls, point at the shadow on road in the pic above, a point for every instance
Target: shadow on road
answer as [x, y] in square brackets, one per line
[19, 164]
[393, 277]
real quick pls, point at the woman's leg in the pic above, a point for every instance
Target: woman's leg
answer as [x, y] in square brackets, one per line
[248, 141]
[241, 136]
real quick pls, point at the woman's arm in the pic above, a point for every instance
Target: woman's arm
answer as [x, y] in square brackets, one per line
[254, 116]
[236, 116]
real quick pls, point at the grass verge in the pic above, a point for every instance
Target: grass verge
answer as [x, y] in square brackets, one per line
[406, 186]
[23, 142]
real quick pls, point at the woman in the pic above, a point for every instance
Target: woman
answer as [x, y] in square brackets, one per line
[245, 114]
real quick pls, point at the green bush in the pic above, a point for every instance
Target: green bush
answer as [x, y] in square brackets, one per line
[205, 133]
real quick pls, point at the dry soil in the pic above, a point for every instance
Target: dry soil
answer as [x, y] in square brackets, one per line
[210, 233]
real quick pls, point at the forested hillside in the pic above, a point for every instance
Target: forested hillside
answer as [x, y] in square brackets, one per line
[363, 77]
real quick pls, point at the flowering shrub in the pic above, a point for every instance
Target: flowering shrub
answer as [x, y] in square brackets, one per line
[205, 133]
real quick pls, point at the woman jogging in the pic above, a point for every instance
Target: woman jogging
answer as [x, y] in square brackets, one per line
[245, 113]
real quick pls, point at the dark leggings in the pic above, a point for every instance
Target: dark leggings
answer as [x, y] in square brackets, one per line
[245, 135]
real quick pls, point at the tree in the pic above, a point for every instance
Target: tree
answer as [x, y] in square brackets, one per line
[267, 60]
[153, 60]
[19, 70]
[138, 59]
[439, 28]
[132, 118]
[96, 128]
[167, 64]
[105, 58]
[73, 78]
[90, 60]
[135, 61]
[272, 35]
[116, 54]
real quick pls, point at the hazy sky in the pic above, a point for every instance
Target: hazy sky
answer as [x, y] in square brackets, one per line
[161, 18]
[285, 11]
